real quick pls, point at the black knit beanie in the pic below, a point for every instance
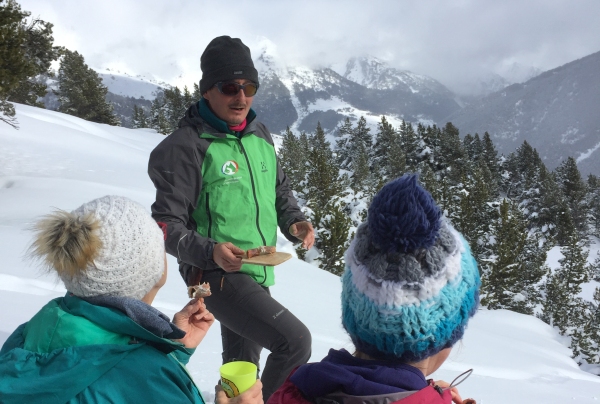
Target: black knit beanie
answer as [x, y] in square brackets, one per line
[224, 59]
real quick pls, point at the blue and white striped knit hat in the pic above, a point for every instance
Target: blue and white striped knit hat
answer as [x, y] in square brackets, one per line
[411, 283]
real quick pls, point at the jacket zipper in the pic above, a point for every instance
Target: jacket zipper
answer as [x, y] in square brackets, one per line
[256, 203]
[209, 217]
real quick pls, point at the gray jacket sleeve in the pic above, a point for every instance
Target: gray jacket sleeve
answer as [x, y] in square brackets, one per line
[175, 168]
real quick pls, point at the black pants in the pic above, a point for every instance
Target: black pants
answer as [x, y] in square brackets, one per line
[252, 320]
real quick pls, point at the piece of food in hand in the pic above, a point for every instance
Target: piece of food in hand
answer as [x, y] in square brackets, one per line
[198, 291]
[262, 250]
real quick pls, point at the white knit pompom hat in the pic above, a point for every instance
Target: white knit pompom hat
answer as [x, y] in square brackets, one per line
[131, 258]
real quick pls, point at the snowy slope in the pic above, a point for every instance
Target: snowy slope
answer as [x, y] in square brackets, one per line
[57, 160]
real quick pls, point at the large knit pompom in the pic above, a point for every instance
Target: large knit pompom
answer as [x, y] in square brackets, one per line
[66, 242]
[403, 216]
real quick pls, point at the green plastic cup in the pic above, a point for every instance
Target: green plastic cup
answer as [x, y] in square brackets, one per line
[237, 377]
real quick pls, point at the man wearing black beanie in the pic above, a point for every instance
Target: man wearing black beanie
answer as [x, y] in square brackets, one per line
[221, 191]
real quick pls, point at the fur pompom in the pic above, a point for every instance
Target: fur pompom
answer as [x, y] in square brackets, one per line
[403, 216]
[66, 242]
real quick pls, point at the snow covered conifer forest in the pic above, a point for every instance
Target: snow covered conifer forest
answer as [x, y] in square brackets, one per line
[511, 209]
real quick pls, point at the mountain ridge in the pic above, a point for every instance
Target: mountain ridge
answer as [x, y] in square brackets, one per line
[556, 112]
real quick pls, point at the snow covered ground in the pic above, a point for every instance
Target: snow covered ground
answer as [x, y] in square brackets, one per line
[59, 161]
[587, 289]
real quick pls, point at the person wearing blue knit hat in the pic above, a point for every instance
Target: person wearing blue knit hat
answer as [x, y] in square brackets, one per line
[408, 291]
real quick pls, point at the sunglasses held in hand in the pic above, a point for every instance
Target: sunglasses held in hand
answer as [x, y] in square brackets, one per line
[231, 88]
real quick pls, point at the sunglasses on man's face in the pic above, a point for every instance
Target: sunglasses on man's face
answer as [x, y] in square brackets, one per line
[232, 88]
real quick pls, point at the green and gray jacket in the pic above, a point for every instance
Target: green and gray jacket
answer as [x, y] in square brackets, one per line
[72, 351]
[214, 185]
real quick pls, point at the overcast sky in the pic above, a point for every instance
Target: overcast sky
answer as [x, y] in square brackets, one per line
[453, 41]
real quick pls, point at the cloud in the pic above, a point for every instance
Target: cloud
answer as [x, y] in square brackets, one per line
[452, 41]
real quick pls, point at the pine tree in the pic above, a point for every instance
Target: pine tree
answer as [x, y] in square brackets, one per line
[385, 138]
[591, 331]
[322, 174]
[429, 180]
[451, 167]
[81, 92]
[26, 51]
[451, 156]
[333, 237]
[304, 142]
[139, 118]
[14, 66]
[562, 308]
[490, 156]
[468, 146]
[424, 144]
[574, 268]
[595, 269]
[158, 119]
[341, 147]
[389, 155]
[410, 145]
[429, 147]
[516, 266]
[522, 170]
[196, 93]
[40, 53]
[360, 141]
[187, 98]
[305, 146]
[564, 224]
[174, 107]
[397, 165]
[593, 203]
[574, 190]
[361, 178]
[362, 134]
[527, 181]
[487, 177]
[581, 345]
[323, 195]
[478, 150]
[550, 205]
[476, 215]
[505, 269]
[293, 159]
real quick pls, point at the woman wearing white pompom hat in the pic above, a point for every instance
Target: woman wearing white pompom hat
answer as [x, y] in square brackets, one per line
[102, 341]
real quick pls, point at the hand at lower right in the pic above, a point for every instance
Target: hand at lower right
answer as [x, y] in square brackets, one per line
[251, 396]
[456, 398]
[228, 256]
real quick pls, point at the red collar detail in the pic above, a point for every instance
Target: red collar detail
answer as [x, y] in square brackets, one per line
[238, 128]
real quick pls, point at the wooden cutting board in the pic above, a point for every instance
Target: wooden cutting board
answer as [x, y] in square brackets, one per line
[270, 260]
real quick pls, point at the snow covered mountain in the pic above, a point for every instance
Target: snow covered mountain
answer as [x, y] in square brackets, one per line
[489, 82]
[373, 73]
[125, 85]
[556, 112]
[518, 73]
[300, 97]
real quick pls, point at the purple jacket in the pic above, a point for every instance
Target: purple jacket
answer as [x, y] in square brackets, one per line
[342, 378]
